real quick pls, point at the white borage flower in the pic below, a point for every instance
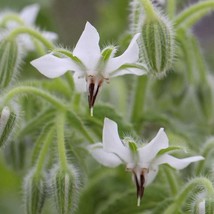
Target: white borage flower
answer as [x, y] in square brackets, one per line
[143, 162]
[27, 17]
[90, 65]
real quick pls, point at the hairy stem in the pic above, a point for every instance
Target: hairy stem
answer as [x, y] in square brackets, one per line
[11, 17]
[139, 98]
[192, 10]
[60, 120]
[171, 8]
[43, 153]
[35, 91]
[35, 34]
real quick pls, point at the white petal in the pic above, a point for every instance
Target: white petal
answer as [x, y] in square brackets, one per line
[148, 152]
[29, 14]
[134, 71]
[80, 83]
[112, 142]
[131, 55]
[103, 157]
[52, 66]
[176, 162]
[87, 48]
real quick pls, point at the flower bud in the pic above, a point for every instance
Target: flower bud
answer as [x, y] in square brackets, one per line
[34, 193]
[9, 61]
[65, 189]
[7, 123]
[157, 43]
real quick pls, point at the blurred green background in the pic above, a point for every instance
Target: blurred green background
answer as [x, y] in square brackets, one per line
[67, 18]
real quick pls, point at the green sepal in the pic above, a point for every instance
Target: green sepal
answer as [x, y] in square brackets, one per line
[9, 61]
[169, 149]
[35, 191]
[157, 45]
[7, 123]
[64, 189]
[107, 53]
[133, 147]
[59, 52]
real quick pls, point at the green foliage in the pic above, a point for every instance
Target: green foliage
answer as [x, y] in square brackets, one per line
[54, 128]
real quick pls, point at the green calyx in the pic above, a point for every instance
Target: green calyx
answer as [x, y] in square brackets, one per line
[133, 147]
[157, 45]
[10, 60]
[7, 123]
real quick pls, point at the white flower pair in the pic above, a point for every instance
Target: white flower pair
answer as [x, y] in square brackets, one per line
[90, 67]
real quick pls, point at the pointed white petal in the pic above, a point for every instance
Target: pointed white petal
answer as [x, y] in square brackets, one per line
[112, 142]
[29, 13]
[80, 83]
[87, 48]
[148, 152]
[52, 66]
[103, 157]
[176, 162]
[131, 55]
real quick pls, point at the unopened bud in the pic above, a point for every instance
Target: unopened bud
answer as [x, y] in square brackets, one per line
[9, 61]
[7, 123]
[157, 42]
[34, 193]
[65, 189]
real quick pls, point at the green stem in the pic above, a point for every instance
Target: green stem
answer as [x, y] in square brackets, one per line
[196, 8]
[35, 91]
[186, 48]
[199, 59]
[171, 8]
[196, 182]
[206, 152]
[139, 98]
[70, 81]
[43, 153]
[76, 122]
[25, 30]
[39, 143]
[11, 17]
[191, 186]
[171, 180]
[60, 120]
[76, 101]
[36, 122]
[148, 8]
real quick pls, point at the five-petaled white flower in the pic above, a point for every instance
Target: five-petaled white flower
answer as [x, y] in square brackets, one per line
[27, 17]
[90, 65]
[143, 161]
